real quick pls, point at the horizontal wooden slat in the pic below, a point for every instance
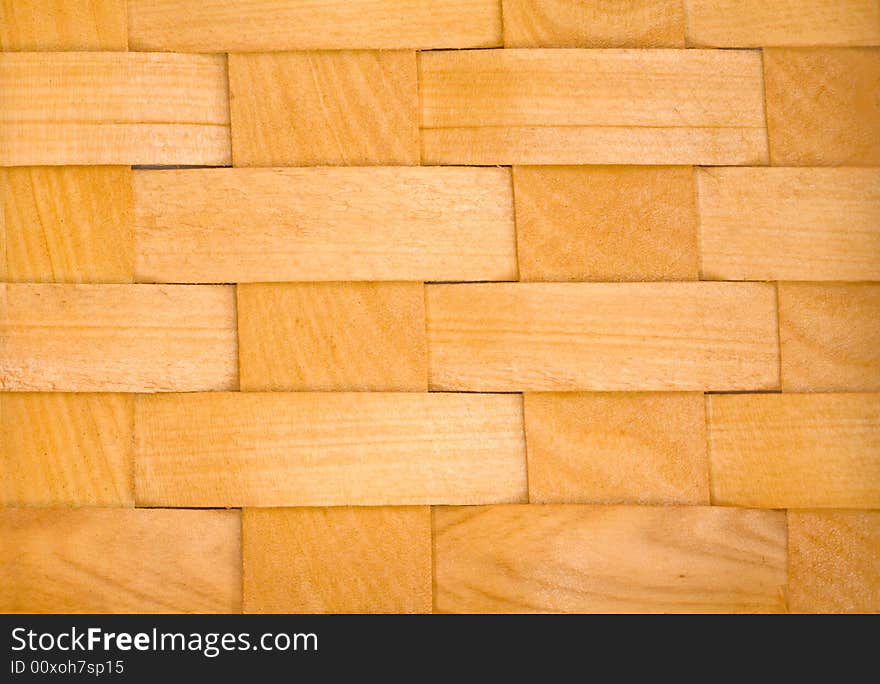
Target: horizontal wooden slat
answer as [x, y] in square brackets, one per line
[68, 224]
[640, 559]
[245, 225]
[590, 88]
[617, 448]
[834, 561]
[119, 561]
[616, 24]
[113, 108]
[117, 338]
[61, 449]
[592, 145]
[795, 450]
[268, 25]
[63, 25]
[602, 336]
[592, 106]
[275, 449]
[337, 560]
[764, 23]
[830, 337]
[790, 223]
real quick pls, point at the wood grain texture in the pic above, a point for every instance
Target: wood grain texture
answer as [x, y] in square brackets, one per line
[590, 145]
[37, 25]
[344, 108]
[795, 450]
[113, 108]
[834, 561]
[641, 559]
[337, 560]
[315, 224]
[119, 561]
[66, 449]
[764, 23]
[592, 107]
[602, 336]
[332, 337]
[593, 223]
[789, 223]
[267, 25]
[68, 224]
[117, 338]
[328, 449]
[822, 106]
[3, 276]
[616, 448]
[830, 337]
[593, 24]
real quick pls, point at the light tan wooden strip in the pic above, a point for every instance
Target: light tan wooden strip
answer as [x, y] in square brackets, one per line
[795, 450]
[616, 24]
[764, 23]
[662, 88]
[68, 224]
[789, 224]
[63, 25]
[337, 560]
[117, 338]
[822, 106]
[594, 145]
[66, 450]
[328, 449]
[119, 561]
[602, 336]
[592, 106]
[113, 108]
[593, 223]
[617, 448]
[268, 25]
[834, 561]
[273, 225]
[633, 559]
[344, 108]
[364, 337]
[830, 337]
[3, 193]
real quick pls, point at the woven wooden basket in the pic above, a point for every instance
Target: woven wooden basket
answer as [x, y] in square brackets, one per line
[459, 306]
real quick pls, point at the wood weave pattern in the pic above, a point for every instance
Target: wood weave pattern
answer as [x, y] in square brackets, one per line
[466, 306]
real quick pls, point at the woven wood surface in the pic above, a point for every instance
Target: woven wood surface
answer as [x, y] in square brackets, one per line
[459, 306]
